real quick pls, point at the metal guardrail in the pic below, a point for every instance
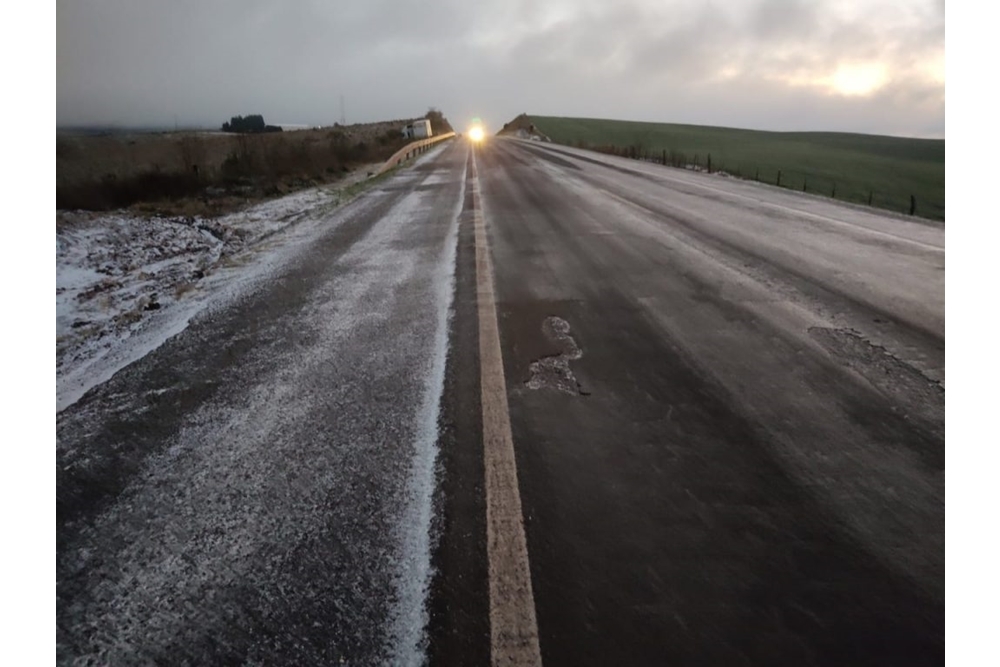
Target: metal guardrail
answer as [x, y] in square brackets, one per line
[411, 149]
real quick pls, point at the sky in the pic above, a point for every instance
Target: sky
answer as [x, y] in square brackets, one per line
[874, 66]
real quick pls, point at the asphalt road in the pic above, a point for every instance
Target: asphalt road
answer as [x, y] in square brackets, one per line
[726, 404]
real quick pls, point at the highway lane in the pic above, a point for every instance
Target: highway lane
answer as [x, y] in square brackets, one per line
[258, 489]
[726, 405]
[727, 412]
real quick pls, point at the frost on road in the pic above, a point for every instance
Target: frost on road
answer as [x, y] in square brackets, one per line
[258, 488]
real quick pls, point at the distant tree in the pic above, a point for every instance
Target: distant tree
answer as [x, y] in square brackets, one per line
[253, 123]
[439, 124]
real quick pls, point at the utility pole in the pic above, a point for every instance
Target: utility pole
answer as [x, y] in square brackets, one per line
[343, 114]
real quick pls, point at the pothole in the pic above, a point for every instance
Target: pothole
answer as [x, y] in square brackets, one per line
[919, 394]
[553, 371]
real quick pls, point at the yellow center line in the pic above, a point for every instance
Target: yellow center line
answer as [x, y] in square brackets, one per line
[513, 627]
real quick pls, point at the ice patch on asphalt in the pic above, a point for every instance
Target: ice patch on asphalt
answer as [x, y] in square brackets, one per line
[553, 372]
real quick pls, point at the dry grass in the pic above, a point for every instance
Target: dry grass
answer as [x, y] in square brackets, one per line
[209, 173]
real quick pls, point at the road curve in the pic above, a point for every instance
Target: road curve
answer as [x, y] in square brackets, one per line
[726, 404]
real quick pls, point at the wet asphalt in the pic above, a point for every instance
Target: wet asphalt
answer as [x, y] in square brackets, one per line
[727, 419]
[717, 464]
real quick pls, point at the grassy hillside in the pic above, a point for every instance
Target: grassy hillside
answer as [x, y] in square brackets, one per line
[890, 169]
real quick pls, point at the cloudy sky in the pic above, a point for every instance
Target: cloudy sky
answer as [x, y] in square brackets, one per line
[851, 65]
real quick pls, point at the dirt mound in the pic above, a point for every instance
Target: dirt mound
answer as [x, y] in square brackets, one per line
[523, 127]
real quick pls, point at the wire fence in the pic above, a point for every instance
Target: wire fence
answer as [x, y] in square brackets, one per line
[792, 179]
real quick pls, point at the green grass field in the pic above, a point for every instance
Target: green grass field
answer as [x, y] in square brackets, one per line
[890, 169]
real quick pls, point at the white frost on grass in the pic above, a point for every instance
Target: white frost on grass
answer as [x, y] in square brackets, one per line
[126, 283]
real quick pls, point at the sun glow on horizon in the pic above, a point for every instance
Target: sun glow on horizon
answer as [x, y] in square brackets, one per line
[858, 80]
[850, 79]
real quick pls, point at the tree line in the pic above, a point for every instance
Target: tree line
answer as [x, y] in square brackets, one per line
[251, 124]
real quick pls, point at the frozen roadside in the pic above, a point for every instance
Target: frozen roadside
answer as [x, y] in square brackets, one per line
[125, 283]
[272, 465]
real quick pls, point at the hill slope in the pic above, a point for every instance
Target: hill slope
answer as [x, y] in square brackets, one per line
[856, 166]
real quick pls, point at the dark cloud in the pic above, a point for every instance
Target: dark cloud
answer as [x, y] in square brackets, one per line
[135, 61]
[781, 20]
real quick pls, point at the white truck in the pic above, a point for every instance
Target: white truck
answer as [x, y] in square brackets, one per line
[418, 129]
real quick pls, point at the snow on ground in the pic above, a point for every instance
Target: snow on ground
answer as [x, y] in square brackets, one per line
[125, 283]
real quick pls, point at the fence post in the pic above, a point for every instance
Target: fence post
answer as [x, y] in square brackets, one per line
[756, 176]
[805, 183]
[870, 194]
[710, 163]
[779, 179]
[913, 204]
[833, 195]
[664, 157]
